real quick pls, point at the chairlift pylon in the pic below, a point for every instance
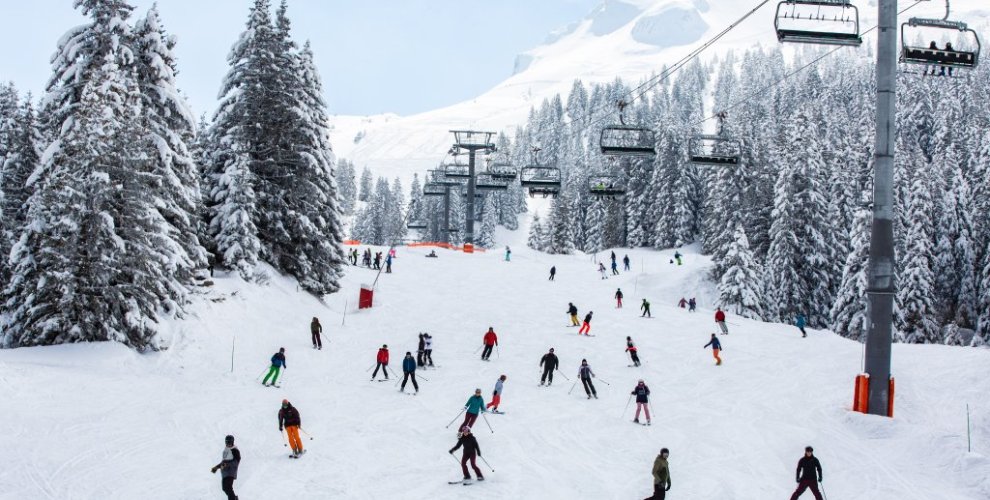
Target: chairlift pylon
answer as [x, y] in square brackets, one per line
[627, 140]
[821, 22]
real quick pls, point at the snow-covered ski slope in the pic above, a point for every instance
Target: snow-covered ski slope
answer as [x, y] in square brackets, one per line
[101, 422]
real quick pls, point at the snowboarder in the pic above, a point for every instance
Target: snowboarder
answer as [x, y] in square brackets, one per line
[677, 257]
[692, 304]
[490, 341]
[508, 253]
[421, 350]
[642, 393]
[601, 269]
[586, 327]
[682, 303]
[716, 348]
[428, 353]
[549, 362]
[720, 320]
[631, 349]
[471, 450]
[496, 395]
[409, 372]
[625, 262]
[800, 322]
[388, 264]
[585, 374]
[382, 362]
[475, 405]
[278, 362]
[288, 417]
[553, 272]
[806, 474]
[315, 328]
[661, 476]
[618, 298]
[615, 268]
[228, 467]
[573, 311]
[646, 309]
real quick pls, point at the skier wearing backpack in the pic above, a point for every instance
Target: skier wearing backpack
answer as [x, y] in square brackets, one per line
[618, 298]
[573, 311]
[642, 393]
[315, 328]
[289, 419]
[807, 468]
[475, 405]
[496, 395]
[631, 349]
[490, 340]
[661, 476]
[409, 372]
[228, 467]
[278, 362]
[800, 322]
[720, 320]
[716, 348]
[382, 362]
[471, 450]
[586, 327]
[646, 309]
[549, 362]
[585, 374]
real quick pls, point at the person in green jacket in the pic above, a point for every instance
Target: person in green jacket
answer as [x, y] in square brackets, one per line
[661, 476]
[475, 405]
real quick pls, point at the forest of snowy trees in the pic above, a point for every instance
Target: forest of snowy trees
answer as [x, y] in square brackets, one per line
[789, 228]
[114, 201]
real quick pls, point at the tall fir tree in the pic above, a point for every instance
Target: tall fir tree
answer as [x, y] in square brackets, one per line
[740, 290]
[916, 320]
[849, 312]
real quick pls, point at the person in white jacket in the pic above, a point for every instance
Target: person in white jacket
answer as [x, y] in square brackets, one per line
[497, 395]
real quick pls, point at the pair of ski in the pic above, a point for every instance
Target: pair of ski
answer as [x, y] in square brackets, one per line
[465, 482]
[297, 455]
[272, 385]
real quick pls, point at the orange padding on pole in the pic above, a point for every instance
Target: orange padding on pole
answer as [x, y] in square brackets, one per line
[861, 395]
[448, 246]
[351, 242]
[890, 399]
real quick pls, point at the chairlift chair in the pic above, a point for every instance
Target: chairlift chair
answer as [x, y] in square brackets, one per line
[503, 171]
[456, 171]
[540, 180]
[439, 176]
[627, 140]
[417, 224]
[606, 185]
[822, 22]
[965, 55]
[434, 189]
[714, 150]
[487, 182]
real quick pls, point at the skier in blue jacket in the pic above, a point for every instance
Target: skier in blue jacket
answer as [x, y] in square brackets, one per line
[716, 347]
[800, 322]
[475, 405]
[278, 362]
[409, 372]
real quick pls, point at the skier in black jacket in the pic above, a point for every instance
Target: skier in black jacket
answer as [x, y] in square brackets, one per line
[471, 449]
[228, 467]
[573, 311]
[420, 350]
[549, 362]
[807, 468]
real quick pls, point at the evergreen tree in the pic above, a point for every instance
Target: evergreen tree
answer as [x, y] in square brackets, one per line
[366, 186]
[558, 231]
[849, 312]
[537, 234]
[23, 156]
[916, 319]
[983, 305]
[740, 290]
[489, 219]
[346, 186]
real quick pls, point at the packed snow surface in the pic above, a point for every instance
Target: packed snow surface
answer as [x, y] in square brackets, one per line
[98, 421]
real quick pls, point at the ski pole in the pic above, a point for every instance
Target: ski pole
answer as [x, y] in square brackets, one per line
[453, 457]
[455, 418]
[424, 378]
[562, 375]
[627, 406]
[306, 433]
[370, 367]
[486, 463]
[476, 351]
[486, 422]
[823, 490]
[498, 353]
[260, 374]
[284, 438]
[604, 382]
[572, 388]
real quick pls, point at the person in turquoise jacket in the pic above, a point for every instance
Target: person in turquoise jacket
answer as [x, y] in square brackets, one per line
[475, 405]
[278, 363]
[800, 321]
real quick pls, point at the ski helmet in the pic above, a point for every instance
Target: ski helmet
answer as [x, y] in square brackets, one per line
[285, 402]
[808, 449]
[281, 349]
[229, 439]
[664, 451]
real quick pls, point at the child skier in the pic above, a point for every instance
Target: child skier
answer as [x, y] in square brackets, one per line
[642, 393]
[475, 405]
[573, 311]
[586, 327]
[496, 395]
[618, 298]
[800, 322]
[278, 361]
[601, 269]
[315, 328]
[720, 321]
[409, 372]
[288, 417]
[228, 467]
[490, 341]
[631, 349]
[549, 362]
[585, 374]
[806, 469]
[382, 362]
[646, 309]
[471, 449]
[716, 348]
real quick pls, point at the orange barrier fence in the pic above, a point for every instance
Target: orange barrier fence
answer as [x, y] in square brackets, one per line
[351, 242]
[440, 244]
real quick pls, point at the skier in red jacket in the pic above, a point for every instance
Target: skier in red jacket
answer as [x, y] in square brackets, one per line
[490, 340]
[720, 321]
[382, 360]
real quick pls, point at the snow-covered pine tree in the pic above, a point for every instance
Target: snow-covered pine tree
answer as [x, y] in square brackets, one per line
[740, 290]
[946, 231]
[849, 316]
[489, 219]
[594, 222]
[983, 304]
[23, 156]
[916, 320]
[537, 234]
[397, 229]
[9, 103]
[366, 186]
[965, 251]
[558, 229]
[346, 186]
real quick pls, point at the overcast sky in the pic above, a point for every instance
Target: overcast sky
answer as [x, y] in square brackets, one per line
[401, 56]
